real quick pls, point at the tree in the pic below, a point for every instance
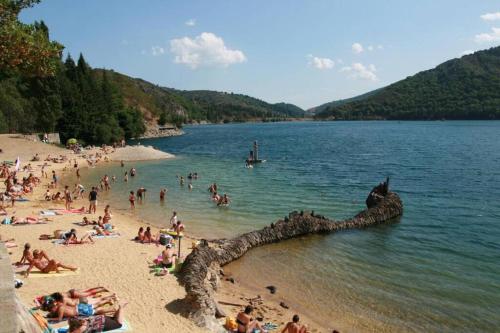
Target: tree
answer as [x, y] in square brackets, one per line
[25, 48]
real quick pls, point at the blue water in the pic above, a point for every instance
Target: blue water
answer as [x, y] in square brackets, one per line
[436, 270]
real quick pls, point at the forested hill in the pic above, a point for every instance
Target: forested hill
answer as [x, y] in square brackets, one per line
[40, 91]
[181, 106]
[464, 88]
[340, 102]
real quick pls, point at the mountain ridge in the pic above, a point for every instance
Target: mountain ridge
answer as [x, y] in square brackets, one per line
[462, 88]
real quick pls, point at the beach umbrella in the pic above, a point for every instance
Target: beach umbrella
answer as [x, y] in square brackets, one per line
[72, 141]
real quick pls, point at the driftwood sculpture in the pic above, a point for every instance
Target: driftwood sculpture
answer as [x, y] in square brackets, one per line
[201, 268]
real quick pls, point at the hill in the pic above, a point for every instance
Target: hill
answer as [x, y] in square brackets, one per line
[318, 109]
[181, 106]
[464, 88]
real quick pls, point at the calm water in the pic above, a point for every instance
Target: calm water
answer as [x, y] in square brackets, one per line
[437, 270]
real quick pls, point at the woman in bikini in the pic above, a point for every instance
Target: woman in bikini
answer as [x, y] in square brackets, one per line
[246, 323]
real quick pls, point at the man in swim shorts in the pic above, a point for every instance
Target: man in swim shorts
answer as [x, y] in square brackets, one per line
[168, 256]
[294, 327]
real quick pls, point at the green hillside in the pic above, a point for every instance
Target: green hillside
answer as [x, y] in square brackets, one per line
[180, 106]
[464, 88]
[340, 102]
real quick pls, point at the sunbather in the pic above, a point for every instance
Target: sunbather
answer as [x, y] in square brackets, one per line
[99, 323]
[70, 301]
[70, 238]
[294, 326]
[46, 266]
[59, 310]
[246, 323]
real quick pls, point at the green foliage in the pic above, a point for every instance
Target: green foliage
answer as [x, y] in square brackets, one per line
[25, 48]
[77, 102]
[163, 118]
[178, 107]
[465, 88]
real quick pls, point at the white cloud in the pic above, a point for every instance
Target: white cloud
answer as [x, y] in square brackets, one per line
[157, 50]
[380, 46]
[190, 22]
[206, 49]
[491, 16]
[466, 52]
[357, 48]
[370, 48]
[320, 63]
[359, 71]
[493, 36]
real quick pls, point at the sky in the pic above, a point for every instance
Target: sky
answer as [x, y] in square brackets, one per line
[295, 51]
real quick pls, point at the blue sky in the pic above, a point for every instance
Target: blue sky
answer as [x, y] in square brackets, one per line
[302, 52]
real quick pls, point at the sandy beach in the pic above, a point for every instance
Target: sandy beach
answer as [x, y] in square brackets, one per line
[119, 264]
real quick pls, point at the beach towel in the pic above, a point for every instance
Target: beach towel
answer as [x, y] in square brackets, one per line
[48, 213]
[125, 328]
[29, 223]
[61, 242]
[115, 234]
[21, 199]
[38, 274]
[69, 211]
[42, 322]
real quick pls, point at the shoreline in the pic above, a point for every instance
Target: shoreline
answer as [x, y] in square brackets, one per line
[90, 275]
[119, 264]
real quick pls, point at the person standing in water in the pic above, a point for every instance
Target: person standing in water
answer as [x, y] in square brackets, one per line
[132, 172]
[163, 193]
[125, 178]
[131, 199]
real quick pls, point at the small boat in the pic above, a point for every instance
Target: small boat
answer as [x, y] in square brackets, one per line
[253, 156]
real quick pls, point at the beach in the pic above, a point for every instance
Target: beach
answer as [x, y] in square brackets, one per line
[119, 264]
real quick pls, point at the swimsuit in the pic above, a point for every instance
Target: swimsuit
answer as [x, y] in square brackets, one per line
[169, 265]
[85, 310]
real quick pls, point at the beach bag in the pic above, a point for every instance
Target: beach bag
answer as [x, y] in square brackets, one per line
[231, 324]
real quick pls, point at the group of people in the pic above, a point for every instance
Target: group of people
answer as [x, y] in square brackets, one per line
[247, 324]
[40, 260]
[220, 200]
[85, 310]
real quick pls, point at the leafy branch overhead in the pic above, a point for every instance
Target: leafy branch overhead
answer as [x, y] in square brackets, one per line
[25, 48]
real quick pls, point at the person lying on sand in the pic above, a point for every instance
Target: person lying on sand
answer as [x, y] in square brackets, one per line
[70, 301]
[26, 220]
[58, 310]
[246, 323]
[294, 327]
[98, 323]
[45, 266]
[104, 231]
[70, 238]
